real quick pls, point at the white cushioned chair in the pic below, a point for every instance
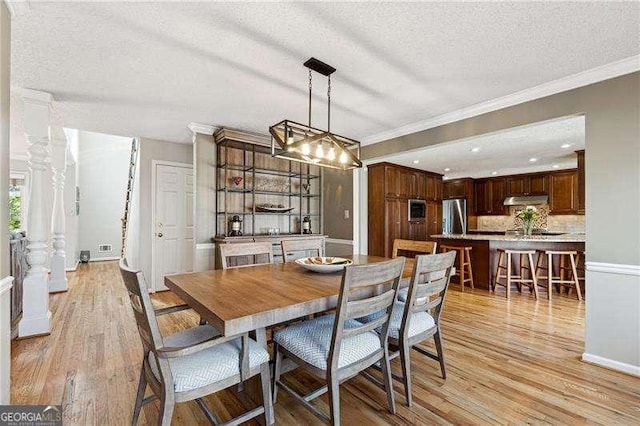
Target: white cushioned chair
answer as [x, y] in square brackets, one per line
[335, 347]
[418, 318]
[192, 364]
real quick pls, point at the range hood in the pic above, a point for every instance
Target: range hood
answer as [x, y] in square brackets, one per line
[526, 200]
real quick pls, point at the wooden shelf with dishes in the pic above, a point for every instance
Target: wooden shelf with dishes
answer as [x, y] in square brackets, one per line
[269, 196]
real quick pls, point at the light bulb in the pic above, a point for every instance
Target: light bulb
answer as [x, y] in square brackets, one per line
[332, 154]
[306, 150]
[343, 157]
[319, 151]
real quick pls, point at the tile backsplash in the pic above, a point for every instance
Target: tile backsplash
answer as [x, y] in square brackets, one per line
[559, 223]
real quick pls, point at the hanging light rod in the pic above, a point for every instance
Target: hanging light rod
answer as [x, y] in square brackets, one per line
[299, 142]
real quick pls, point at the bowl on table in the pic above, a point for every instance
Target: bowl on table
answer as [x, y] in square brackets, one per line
[324, 264]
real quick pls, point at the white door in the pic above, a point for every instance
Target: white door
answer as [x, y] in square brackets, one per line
[173, 212]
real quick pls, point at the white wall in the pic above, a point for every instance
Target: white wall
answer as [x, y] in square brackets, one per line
[103, 169]
[204, 151]
[151, 149]
[5, 68]
[71, 181]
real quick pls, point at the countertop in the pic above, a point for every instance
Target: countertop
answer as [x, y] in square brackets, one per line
[564, 238]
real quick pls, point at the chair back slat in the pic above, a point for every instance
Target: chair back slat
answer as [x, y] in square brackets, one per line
[364, 307]
[365, 289]
[427, 247]
[431, 275]
[293, 249]
[234, 255]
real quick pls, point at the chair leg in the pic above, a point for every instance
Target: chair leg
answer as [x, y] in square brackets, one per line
[574, 271]
[508, 276]
[388, 381]
[142, 386]
[461, 263]
[549, 275]
[440, 350]
[495, 280]
[405, 360]
[276, 370]
[333, 387]
[533, 276]
[470, 270]
[265, 379]
[167, 404]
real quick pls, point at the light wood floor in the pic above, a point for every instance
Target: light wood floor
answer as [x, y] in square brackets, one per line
[509, 362]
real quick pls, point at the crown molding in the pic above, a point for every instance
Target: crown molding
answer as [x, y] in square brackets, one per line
[584, 78]
[205, 129]
[17, 7]
[36, 96]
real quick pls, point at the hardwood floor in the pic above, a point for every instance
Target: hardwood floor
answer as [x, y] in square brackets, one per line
[508, 362]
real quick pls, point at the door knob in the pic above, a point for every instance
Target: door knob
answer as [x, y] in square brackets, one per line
[159, 234]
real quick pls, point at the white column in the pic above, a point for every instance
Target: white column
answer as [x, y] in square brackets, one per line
[36, 317]
[5, 338]
[58, 277]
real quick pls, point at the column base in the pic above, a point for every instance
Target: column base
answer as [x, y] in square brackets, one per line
[58, 278]
[38, 326]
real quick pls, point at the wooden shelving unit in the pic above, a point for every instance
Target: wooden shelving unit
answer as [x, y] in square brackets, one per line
[248, 177]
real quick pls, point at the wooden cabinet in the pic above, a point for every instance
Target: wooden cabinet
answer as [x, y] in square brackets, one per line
[563, 192]
[489, 196]
[434, 187]
[581, 182]
[390, 189]
[482, 195]
[455, 188]
[519, 185]
[434, 218]
[392, 179]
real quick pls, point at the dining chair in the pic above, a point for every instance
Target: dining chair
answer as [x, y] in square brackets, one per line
[335, 347]
[426, 247]
[235, 255]
[293, 249]
[418, 318]
[179, 370]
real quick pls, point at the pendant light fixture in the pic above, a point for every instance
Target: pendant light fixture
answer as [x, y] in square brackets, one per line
[299, 142]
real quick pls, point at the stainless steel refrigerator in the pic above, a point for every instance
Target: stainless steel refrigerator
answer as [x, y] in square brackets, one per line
[454, 216]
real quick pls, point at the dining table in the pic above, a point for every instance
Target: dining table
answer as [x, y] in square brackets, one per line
[251, 299]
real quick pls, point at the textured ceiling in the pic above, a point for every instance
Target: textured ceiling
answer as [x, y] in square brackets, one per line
[148, 69]
[503, 153]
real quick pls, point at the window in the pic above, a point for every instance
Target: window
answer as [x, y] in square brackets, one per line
[17, 196]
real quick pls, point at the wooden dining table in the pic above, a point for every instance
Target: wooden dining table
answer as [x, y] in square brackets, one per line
[253, 298]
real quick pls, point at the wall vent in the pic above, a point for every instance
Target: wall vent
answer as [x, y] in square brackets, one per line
[105, 248]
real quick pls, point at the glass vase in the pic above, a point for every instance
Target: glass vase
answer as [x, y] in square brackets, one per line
[527, 226]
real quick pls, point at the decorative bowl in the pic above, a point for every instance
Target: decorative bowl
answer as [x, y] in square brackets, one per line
[324, 264]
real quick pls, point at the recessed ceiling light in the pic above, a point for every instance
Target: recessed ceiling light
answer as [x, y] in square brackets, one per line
[447, 169]
[445, 177]
[555, 166]
[416, 161]
[533, 159]
[476, 149]
[494, 173]
[565, 145]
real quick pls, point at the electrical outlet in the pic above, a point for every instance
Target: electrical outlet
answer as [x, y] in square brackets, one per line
[346, 214]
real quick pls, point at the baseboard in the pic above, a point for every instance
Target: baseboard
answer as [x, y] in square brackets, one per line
[613, 268]
[622, 367]
[339, 241]
[103, 259]
[74, 268]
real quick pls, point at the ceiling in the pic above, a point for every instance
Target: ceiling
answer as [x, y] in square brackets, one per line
[552, 144]
[149, 69]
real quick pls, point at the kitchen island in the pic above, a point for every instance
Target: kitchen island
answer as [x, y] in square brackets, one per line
[484, 254]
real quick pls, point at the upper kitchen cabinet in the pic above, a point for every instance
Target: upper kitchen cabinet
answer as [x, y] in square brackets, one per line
[489, 196]
[392, 181]
[434, 187]
[457, 188]
[581, 182]
[414, 185]
[533, 184]
[563, 192]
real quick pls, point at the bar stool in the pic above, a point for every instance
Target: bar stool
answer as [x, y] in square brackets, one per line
[560, 280]
[463, 258]
[516, 279]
